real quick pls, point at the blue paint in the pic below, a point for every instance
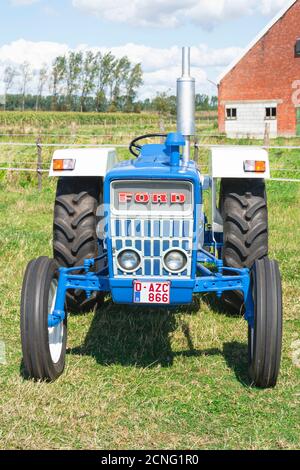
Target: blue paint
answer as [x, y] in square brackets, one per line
[173, 143]
[181, 290]
[164, 161]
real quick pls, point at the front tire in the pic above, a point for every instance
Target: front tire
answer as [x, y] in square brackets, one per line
[44, 348]
[265, 335]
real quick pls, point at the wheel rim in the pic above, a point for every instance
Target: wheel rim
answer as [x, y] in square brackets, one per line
[56, 333]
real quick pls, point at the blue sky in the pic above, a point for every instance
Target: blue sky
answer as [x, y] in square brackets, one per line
[150, 31]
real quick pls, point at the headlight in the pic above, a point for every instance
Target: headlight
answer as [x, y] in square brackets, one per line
[175, 261]
[129, 260]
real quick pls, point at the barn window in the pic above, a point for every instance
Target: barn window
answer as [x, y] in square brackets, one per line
[271, 113]
[297, 48]
[231, 113]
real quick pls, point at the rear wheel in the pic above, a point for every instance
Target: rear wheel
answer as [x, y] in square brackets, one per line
[243, 206]
[265, 334]
[44, 348]
[74, 230]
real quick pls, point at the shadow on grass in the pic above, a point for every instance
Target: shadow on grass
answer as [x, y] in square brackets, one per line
[236, 357]
[218, 305]
[128, 336]
[23, 372]
[131, 337]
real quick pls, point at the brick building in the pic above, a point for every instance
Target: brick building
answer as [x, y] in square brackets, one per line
[261, 88]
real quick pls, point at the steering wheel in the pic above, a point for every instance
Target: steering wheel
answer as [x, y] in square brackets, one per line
[133, 144]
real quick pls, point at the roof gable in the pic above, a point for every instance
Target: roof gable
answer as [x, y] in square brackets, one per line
[262, 33]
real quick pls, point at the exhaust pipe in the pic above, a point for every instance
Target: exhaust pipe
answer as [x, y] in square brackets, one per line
[186, 103]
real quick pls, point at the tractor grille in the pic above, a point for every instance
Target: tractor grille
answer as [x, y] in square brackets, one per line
[152, 237]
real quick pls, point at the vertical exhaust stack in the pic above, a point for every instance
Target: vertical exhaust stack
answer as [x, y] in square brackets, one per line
[186, 103]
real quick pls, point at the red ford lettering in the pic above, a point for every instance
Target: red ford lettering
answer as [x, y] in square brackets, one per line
[160, 197]
[142, 197]
[177, 198]
[125, 197]
[155, 198]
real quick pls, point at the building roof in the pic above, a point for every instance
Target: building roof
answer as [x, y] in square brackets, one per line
[262, 33]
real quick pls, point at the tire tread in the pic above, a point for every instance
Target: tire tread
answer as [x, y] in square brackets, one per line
[74, 228]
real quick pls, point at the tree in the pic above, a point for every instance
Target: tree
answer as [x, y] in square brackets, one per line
[162, 103]
[202, 102]
[133, 82]
[26, 77]
[42, 80]
[56, 80]
[10, 73]
[73, 65]
[214, 102]
[87, 77]
[78, 80]
[105, 69]
[120, 75]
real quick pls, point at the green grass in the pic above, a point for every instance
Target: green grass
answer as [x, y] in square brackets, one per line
[146, 379]
[112, 128]
[69, 123]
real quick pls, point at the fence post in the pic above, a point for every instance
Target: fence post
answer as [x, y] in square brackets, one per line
[73, 131]
[39, 162]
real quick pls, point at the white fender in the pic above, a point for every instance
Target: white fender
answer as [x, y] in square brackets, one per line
[87, 161]
[228, 162]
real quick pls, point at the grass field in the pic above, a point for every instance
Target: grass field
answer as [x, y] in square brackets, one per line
[67, 129]
[149, 379]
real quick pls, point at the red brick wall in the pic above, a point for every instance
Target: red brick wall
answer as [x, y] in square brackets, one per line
[267, 72]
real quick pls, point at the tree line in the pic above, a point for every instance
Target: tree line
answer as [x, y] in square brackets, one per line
[165, 103]
[85, 81]
[77, 81]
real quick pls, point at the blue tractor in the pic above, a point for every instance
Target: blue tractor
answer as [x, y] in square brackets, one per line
[136, 230]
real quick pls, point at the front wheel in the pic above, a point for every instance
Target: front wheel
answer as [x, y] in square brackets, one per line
[265, 332]
[44, 348]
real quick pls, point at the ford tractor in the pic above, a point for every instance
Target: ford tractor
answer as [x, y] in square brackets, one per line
[136, 230]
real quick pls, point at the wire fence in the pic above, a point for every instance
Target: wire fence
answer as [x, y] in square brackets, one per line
[39, 164]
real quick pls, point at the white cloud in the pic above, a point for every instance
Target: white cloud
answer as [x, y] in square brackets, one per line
[36, 53]
[153, 58]
[17, 3]
[161, 66]
[173, 13]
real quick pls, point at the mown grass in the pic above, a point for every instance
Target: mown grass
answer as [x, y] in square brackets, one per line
[146, 379]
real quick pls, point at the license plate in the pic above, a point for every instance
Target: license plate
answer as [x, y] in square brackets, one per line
[151, 292]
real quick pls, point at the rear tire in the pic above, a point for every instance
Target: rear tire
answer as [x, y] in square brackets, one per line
[243, 206]
[44, 349]
[74, 230]
[265, 337]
